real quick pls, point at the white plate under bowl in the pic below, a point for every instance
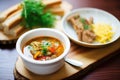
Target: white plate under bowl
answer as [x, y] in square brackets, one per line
[99, 16]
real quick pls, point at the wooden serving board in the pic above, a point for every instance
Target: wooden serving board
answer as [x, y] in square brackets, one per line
[88, 56]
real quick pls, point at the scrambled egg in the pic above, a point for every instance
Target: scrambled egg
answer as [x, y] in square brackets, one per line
[103, 32]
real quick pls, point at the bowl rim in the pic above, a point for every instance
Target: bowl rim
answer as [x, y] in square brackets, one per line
[67, 47]
[85, 43]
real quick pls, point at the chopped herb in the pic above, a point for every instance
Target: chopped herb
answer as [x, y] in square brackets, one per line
[85, 24]
[44, 51]
[29, 47]
[34, 15]
[86, 27]
[45, 44]
[82, 20]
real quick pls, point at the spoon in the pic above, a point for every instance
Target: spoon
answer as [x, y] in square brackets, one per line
[73, 62]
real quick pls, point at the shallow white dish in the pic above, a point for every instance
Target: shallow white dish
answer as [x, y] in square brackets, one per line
[99, 16]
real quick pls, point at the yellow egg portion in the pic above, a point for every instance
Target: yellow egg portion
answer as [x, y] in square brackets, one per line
[103, 32]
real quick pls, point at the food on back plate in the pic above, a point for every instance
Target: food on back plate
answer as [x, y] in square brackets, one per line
[82, 27]
[103, 32]
[89, 32]
[44, 48]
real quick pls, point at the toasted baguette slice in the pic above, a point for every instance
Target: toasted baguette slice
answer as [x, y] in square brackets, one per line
[17, 30]
[57, 11]
[11, 22]
[51, 2]
[12, 15]
[53, 6]
[0, 26]
[9, 11]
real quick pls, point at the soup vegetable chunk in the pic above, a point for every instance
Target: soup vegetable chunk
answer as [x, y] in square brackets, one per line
[45, 48]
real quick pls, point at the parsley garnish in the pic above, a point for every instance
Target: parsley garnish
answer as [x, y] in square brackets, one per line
[85, 25]
[34, 15]
[45, 45]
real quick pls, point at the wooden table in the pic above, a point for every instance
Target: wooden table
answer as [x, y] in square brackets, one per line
[108, 70]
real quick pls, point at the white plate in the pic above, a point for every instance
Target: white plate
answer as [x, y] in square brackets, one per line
[99, 16]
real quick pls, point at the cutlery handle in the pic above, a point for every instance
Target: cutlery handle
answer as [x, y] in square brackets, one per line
[74, 62]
